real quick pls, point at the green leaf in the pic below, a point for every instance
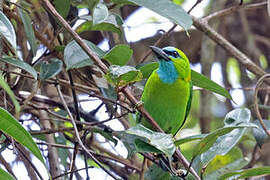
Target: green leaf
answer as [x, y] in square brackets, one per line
[141, 139]
[189, 138]
[109, 24]
[6, 87]
[62, 6]
[241, 174]
[100, 13]
[259, 133]
[198, 80]
[156, 173]
[7, 30]
[51, 69]
[123, 75]
[169, 10]
[13, 128]
[222, 140]
[5, 175]
[147, 69]
[91, 4]
[222, 164]
[123, 2]
[178, 2]
[202, 81]
[119, 55]
[75, 57]
[29, 32]
[20, 64]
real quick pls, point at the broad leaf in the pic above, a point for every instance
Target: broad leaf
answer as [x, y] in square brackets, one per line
[75, 57]
[100, 13]
[202, 81]
[189, 138]
[123, 2]
[91, 4]
[112, 23]
[222, 164]
[62, 6]
[147, 69]
[20, 64]
[209, 141]
[156, 173]
[259, 133]
[223, 140]
[51, 69]
[119, 55]
[5, 175]
[141, 139]
[28, 29]
[13, 128]
[123, 75]
[169, 10]
[198, 79]
[7, 30]
[5, 86]
[242, 174]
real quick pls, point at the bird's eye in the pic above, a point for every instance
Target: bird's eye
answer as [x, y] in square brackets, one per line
[172, 53]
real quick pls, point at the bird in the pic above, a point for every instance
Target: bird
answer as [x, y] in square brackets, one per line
[167, 94]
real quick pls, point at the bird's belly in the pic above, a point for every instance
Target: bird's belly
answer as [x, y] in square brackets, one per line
[167, 104]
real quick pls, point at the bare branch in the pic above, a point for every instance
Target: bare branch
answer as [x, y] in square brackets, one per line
[260, 81]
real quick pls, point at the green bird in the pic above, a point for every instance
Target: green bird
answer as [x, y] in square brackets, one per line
[167, 94]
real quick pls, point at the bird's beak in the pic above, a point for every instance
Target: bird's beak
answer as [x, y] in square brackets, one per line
[160, 53]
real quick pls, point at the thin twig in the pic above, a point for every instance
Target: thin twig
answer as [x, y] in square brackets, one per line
[73, 160]
[197, 2]
[254, 157]
[260, 81]
[33, 93]
[116, 159]
[78, 135]
[69, 172]
[233, 9]
[143, 168]
[19, 148]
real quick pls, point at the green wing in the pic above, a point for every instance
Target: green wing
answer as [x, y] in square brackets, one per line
[188, 105]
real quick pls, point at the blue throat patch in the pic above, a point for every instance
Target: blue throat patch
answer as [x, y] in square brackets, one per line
[167, 72]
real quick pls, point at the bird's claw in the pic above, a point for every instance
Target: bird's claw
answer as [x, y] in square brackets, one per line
[138, 104]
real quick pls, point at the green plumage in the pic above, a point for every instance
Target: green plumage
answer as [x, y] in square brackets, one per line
[168, 92]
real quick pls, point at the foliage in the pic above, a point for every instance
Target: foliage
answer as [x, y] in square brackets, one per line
[99, 92]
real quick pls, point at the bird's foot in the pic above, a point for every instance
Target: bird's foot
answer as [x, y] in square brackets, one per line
[138, 104]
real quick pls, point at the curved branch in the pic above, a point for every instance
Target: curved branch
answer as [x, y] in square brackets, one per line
[260, 81]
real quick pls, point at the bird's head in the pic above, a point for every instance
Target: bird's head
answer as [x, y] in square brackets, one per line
[173, 64]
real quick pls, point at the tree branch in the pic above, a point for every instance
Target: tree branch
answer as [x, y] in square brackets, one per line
[230, 10]
[203, 26]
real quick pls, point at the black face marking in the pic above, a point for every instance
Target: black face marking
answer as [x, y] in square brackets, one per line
[172, 53]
